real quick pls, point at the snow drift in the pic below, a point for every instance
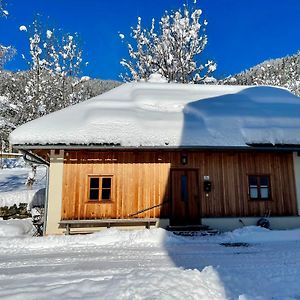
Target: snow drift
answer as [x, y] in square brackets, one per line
[15, 228]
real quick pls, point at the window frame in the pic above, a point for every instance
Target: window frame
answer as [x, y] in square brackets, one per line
[100, 188]
[258, 186]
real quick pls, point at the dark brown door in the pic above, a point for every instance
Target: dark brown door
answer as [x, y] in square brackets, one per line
[185, 209]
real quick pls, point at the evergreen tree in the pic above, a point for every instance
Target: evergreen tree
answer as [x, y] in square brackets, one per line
[283, 72]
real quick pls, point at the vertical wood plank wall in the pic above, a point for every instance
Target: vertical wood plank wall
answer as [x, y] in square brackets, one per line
[141, 179]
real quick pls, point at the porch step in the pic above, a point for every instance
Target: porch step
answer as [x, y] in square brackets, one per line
[192, 230]
[197, 233]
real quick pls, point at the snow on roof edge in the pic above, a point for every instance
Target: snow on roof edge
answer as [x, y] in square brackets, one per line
[141, 114]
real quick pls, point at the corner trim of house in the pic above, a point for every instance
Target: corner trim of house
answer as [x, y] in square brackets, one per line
[55, 192]
[296, 161]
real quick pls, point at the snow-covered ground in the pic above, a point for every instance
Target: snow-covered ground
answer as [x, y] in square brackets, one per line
[12, 185]
[150, 264]
[16, 228]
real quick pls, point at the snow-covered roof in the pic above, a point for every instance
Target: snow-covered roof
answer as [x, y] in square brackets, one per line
[172, 115]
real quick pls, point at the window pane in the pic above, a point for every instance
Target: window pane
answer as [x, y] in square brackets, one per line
[106, 183]
[184, 188]
[94, 183]
[264, 192]
[252, 180]
[105, 195]
[253, 193]
[264, 180]
[94, 194]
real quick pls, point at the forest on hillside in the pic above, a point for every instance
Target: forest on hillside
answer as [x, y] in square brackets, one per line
[284, 72]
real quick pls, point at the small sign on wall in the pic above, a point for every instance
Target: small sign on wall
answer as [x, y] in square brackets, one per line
[206, 177]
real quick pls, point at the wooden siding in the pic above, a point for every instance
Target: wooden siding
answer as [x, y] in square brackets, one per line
[141, 179]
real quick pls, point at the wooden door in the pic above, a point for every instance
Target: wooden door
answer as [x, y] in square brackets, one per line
[185, 198]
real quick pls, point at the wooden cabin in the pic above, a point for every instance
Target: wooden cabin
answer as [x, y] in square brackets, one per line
[171, 155]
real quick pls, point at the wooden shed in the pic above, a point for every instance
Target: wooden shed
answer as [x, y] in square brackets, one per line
[171, 155]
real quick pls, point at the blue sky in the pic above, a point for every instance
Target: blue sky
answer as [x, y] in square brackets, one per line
[241, 33]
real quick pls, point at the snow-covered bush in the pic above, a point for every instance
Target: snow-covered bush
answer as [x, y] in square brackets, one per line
[173, 49]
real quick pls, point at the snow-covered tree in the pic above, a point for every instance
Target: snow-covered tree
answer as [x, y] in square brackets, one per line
[51, 82]
[7, 110]
[3, 11]
[55, 63]
[6, 52]
[37, 90]
[68, 65]
[172, 49]
[15, 108]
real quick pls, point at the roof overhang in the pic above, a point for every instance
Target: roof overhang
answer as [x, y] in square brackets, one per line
[93, 147]
[33, 158]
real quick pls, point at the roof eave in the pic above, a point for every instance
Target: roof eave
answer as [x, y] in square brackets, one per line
[247, 147]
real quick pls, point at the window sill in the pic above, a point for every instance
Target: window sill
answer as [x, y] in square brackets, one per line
[259, 199]
[100, 202]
